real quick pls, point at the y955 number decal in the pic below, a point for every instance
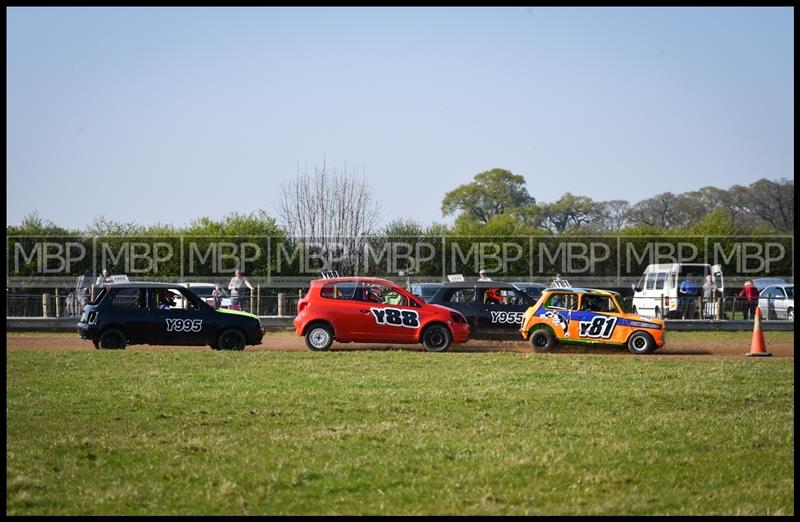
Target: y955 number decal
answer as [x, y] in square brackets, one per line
[507, 317]
[184, 325]
[395, 317]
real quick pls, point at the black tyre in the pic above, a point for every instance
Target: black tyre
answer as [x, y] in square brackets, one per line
[231, 339]
[111, 339]
[436, 338]
[641, 343]
[319, 337]
[658, 313]
[96, 344]
[542, 340]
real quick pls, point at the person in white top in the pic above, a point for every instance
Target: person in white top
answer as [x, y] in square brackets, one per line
[238, 287]
[483, 276]
[103, 279]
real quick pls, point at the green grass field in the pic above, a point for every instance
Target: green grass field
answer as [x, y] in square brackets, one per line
[397, 432]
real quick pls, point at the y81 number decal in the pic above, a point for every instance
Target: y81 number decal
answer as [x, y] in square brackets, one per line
[184, 325]
[507, 317]
[600, 327]
[395, 317]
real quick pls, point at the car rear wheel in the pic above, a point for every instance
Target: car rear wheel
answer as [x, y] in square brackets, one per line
[319, 338]
[436, 338]
[542, 340]
[111, 339]
[641, 343]
[231, 340]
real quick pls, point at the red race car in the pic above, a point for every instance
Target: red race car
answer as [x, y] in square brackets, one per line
[367, 309]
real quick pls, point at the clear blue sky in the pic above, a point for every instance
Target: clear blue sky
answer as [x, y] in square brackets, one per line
[165, 115]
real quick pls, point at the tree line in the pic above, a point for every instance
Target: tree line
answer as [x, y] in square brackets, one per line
[339, 205]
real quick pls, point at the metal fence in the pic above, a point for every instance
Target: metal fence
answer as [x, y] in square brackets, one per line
[720, 308]
[56, 304]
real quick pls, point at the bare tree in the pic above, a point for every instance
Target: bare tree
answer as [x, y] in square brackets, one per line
[330, 209]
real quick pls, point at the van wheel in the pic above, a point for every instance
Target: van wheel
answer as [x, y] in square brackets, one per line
[641, 343]
[658, 313]
[542, 341]
[319, 338]
[111, 339]
[436, 338]
[231, 340]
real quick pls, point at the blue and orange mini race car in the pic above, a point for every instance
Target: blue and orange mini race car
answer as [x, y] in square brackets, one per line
[588, 316]
[366, 309]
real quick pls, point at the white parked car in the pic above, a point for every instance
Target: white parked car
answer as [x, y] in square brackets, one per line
[777, 302]
[203, 291]
[657, 292]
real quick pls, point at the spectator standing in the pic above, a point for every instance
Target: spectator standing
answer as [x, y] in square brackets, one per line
[688, 294]
[483, 276]
[217, 294]
[709, 293]
[103, 279]
[750, 293]
[239, 286]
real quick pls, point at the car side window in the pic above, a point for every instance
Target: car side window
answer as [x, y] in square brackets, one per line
[598, 303]
[382, 294]
[345, 290]
[562, 301]
[461, 295]
[129, 299]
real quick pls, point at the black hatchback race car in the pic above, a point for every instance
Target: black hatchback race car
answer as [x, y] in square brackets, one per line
[493, 310]
[146, 313]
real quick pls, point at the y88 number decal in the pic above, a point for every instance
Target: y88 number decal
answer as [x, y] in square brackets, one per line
[395, 317]
[599, 327]
[184, 325]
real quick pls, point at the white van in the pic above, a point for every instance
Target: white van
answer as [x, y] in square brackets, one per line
[656, 293]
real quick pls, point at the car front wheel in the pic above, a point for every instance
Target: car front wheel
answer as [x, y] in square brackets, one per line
[231, 340]
[542, 341]
[436, 338]
[111, 339]
[641, 343]
[319, 338]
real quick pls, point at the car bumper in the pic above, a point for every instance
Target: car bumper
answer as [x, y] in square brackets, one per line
[298, 324]
[256, 336]
[87, 331]
[460, 332]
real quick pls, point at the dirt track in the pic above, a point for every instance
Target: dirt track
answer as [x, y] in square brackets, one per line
[780, 344]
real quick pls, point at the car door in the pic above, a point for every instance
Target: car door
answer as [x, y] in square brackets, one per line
[179, 326]
[767, 302]
[500, 310]
[461, 299]
[781, 303]
[129, 306]
[387, 315]
[596, 319]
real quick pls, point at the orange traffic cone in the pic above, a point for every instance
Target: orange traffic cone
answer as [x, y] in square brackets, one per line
[758, 348]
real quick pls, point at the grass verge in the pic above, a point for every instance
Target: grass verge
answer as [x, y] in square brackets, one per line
[199, 432]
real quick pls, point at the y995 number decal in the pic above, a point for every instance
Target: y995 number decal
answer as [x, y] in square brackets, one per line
[184, 325]
[599, 327]
[395, 317]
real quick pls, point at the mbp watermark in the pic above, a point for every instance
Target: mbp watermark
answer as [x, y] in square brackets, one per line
[45, 261]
